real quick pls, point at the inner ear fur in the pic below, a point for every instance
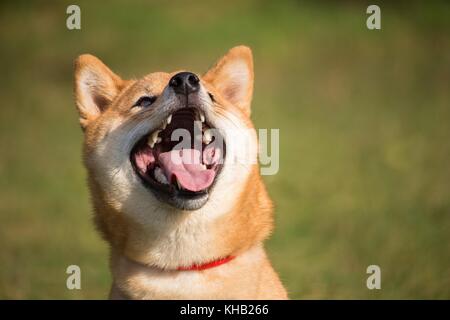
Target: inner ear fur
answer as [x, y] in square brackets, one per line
[95, 87]
[232, 76]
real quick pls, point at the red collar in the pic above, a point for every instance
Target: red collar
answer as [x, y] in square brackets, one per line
[209, 265]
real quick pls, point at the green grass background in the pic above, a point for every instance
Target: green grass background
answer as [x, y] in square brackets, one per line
[364, 125]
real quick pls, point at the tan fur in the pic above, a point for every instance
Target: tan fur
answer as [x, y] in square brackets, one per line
[149, 239]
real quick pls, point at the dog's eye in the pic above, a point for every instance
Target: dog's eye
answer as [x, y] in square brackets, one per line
[145, 101]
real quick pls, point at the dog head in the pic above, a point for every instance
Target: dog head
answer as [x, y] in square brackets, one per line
[168, 144]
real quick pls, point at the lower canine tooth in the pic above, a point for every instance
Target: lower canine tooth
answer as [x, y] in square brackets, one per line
[202, 117]
[169, 119]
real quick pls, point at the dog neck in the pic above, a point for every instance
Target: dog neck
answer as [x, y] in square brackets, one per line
[193, 267]
[207, 265]
[134, 280]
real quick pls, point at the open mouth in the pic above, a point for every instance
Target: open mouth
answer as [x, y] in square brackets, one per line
[181, 159]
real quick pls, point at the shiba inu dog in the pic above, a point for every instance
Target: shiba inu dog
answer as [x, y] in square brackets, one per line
[182, 222]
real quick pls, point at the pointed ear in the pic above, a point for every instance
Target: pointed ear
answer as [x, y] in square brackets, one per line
[233, 76]
[95, 87]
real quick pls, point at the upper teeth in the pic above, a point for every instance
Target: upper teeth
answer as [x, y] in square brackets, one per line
[153, 138]
[207, 137]
[166, 122]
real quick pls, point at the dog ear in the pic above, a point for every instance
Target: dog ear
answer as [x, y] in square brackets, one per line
[233, 77]
[95, 87]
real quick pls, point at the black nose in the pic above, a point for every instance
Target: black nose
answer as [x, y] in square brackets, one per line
[184, 83]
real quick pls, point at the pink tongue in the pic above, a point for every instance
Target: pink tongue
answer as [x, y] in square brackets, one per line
[186, 166]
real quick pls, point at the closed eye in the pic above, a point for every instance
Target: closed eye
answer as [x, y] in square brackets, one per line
[145, 101]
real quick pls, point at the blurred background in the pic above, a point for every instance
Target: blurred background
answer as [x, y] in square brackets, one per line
[364, 125]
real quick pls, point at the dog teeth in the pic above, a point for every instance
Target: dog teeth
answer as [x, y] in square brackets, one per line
[166, 122]
[150, 142]
[153, 138]
[202, 117]
[178, 184]
[159, 176]
[207, 137]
